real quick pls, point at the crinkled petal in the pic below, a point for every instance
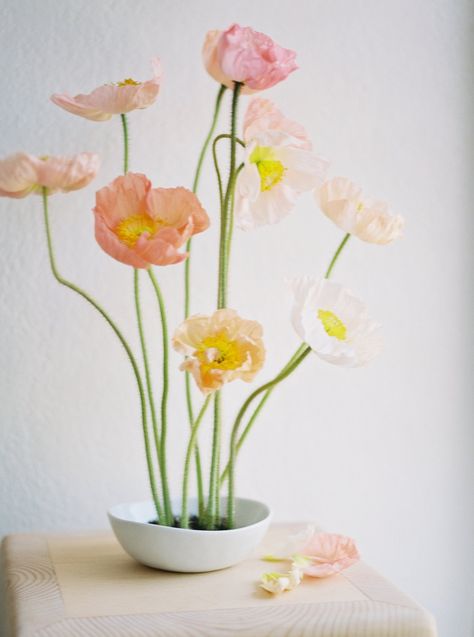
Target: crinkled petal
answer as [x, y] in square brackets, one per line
[18, 175]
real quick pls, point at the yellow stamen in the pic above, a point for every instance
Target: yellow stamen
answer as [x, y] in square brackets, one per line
[332, 324]
[129, 230]
[270, 169]
[128, 82]
[219, 352]
[360, 206]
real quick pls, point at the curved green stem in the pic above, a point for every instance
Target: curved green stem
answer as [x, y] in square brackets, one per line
[235, 429]
[336, 255]
[187, 294]
[123, 117]
[123, 342]
[149, 385]
[184, 522]
[164, 400]
[269, 391]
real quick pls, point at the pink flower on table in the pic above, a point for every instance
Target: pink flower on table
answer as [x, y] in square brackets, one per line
[113, 99]
[23, 174]
[264, 119]
[325, 554]
[241, 54]
[220, 348]
[368, 219]
[140, 225]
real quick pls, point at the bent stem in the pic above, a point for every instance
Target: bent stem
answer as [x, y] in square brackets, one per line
[125, 345]
[187, 295]
[164, 400]
[184, 522]
[235, 429]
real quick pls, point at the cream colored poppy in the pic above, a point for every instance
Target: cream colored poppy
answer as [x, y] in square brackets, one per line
[220, 348]
[368, 219]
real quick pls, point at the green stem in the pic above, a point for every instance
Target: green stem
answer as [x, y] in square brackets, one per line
[123, 117]
[125, 345]
[187, 293]
[230, 228]
[216, 162]
[184, 522]
[336, 255]
[214, 474]
[149, 385]
[235, 429]
[222, 290]
[164, 400]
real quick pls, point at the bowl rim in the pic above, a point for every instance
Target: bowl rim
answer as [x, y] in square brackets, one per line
[173, 529]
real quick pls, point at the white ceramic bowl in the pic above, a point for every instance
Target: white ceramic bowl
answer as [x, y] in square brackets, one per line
[186, 550]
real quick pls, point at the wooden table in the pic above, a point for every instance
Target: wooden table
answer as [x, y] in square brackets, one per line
[84, 584]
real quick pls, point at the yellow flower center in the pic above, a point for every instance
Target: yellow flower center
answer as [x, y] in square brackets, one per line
[128, 82]
[129, 230]
[332, 324]
[360, 206]
[219, 352]
[270, 169]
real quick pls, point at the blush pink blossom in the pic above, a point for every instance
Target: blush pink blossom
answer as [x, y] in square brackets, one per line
[23, 174]
[142, 226]
[241, 54]
[264, 120]
[113, 99]
[325, 554]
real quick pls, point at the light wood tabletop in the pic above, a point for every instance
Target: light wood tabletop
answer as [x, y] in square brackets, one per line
[84, 584]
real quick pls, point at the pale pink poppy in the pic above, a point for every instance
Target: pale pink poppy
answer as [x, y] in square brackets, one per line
[264, 120]
[140, 225]
[23, 174]
[113, 99]
[241, 54]
[220, 348]
[326, 554]
[368, 219]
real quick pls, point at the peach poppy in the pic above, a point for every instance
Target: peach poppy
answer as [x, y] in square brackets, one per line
[368, 219]
[113, 99]
[140, 225]
[220, 348]
[241, 54]
[325, 554]
[23, 174]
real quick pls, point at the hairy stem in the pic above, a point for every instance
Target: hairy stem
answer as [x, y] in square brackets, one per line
[123, 342]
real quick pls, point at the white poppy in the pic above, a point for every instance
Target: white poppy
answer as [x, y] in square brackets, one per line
[334, 323]
[368, 219]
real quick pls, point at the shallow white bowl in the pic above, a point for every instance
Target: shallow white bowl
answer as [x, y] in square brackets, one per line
[186, 550]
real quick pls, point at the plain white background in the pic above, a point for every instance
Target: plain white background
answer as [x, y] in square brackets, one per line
[381, 453]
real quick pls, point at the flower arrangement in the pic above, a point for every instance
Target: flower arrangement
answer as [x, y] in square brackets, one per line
[271, 163]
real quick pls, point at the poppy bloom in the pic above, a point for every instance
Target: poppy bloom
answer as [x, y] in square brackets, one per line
[140, 225]
[113, 99]
[22, 174]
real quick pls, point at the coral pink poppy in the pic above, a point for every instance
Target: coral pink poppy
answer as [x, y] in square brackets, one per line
[22, 174]
[140, 225]
[326, 554]
[113, 99]
[264, 120]
[241, 54]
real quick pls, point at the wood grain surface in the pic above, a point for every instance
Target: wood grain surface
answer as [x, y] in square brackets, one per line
[74, 585]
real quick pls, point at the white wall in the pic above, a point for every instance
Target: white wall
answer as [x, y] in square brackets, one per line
[382, 453]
